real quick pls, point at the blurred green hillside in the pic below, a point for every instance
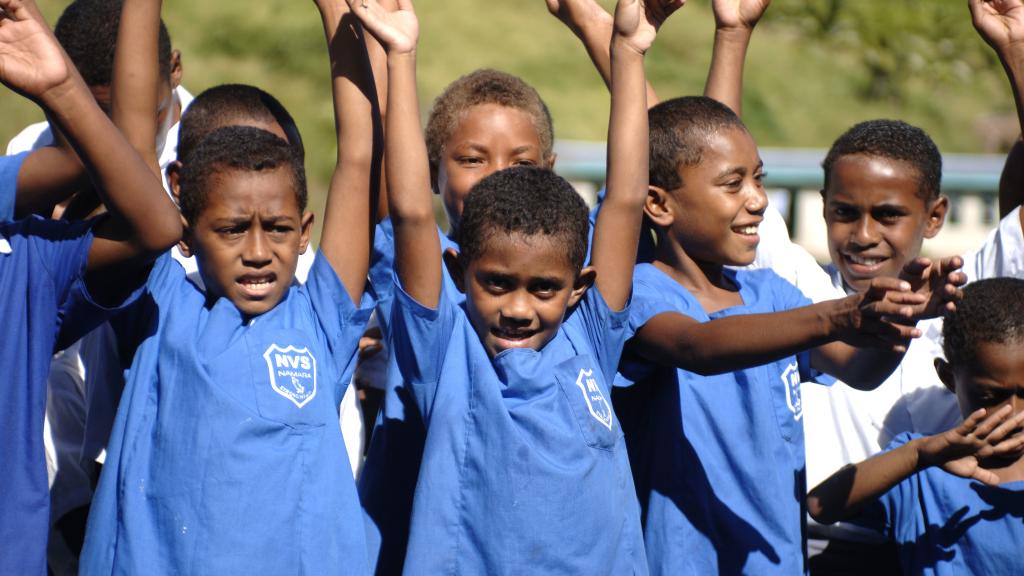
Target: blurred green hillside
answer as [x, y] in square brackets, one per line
[815, 66]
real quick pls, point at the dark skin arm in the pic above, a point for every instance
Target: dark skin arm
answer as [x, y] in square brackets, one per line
[1000, 23]
[957, 451]
[734, 25]
[348, 219]
[417, 251]
[143, 222]
[735, 342]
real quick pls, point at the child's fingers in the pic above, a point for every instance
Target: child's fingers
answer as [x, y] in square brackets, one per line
[987, 476]
[1008, 423]
[971, 421]
[985, 428]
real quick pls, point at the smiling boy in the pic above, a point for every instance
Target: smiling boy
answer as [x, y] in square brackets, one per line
[522, 447]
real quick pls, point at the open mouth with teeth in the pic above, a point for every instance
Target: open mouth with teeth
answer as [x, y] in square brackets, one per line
[512, 338]
[746, 230]
[257, 286]
[864, 261]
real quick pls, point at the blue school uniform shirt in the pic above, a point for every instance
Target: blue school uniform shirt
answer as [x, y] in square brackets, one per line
[718, 460]
[42, 264]
[226, 456]
[392, 464]
[9, 168]
[524, 466]
[945, 525]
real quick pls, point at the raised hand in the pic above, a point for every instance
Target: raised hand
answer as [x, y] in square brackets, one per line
[577, 15]
[397, 31]
[637, 21]
[939, 282]
[982, 435]
[31, 61]
[738, 14]
[877, 317]
[1000, 23]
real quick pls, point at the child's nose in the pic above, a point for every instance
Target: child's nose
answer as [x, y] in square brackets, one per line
[865, 233]
[516, 308]
[257, 248]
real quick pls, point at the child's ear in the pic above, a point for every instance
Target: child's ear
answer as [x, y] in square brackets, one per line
[584, 281]
[657, 207]
[306, 231]
[936, 216]
[455, 268]
[549, 162]
[173, 180]
[176, 70]
[945, 372]
[186, 238]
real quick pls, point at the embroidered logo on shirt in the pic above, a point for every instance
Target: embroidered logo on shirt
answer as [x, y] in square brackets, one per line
[5, 246]
[791, 380]
[596, 403]
[292, 373]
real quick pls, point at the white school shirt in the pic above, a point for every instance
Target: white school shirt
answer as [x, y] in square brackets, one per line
[844, 425]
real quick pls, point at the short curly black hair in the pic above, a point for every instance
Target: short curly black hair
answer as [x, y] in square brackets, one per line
[236, 148]
[679, 133]
[528, 201]
[992, 310]
[227, 104]
[895, 140]
[480, 87]
[88, 32]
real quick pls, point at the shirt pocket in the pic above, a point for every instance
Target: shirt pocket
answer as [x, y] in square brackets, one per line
[585, 390]
[288, 378]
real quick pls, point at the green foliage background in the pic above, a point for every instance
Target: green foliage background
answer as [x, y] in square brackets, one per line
[815, 66]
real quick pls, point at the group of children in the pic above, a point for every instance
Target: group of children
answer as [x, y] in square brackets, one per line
[620, 392]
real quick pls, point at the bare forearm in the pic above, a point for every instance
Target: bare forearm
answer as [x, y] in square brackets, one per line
[348, 219]
[48, 176]
[844, 493]
[733, 342]
[132, 192]
[1011, 181]
[617, 229]
[725, 76]
[136, 78]
[417, 250]
[596, 35]
[860, 368]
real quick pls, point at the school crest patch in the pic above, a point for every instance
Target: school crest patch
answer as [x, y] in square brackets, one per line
[596, 402]
[292, 373]
[791, 382]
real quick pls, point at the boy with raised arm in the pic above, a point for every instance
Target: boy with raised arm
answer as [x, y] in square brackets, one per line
[524, 467]
[952, 502]
[64, 270]
[226, 456]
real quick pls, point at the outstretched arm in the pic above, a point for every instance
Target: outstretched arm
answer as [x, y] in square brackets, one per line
[957, 451]
[417, 250]
[1000, 23]
[143, 222]
[593, 25]
[617, 230]
[737, 342]
[734, 25]
[348, 219]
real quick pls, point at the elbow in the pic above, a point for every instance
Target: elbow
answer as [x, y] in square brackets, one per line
[818, 512]
[161, 233]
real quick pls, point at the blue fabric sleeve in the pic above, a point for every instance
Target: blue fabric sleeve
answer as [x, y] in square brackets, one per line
[382, 278]
[421, 338]
[896, 508]
[605, 329]
[340, 319]
[649, 300]
[61, 248]
[9, 168]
